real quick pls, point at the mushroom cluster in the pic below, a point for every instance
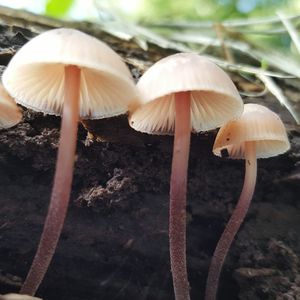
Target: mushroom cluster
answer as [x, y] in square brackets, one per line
[69, 73]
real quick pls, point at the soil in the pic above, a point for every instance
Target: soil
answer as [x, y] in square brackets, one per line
[115, 240]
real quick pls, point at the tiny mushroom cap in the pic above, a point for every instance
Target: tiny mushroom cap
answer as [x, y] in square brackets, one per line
[258, 124]
[18, 297]
[10, 113]
[106, 85]
[214, 98]
[258, 133]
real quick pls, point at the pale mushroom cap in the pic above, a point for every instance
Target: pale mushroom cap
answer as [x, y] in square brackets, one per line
[35, 75]
[18, 297]
[10, 113]
[214, 98]
[258, 124]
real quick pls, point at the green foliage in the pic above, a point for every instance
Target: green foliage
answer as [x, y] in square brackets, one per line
[58, 8]
[215, 10]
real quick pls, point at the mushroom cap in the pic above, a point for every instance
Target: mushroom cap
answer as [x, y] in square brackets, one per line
[35, 75]
[214, 98]
[18, 297]
[10, 113]
[257, 124]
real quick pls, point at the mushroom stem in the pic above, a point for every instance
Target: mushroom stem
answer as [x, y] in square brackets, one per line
[177, 220]
[234, 223]
[62, 183]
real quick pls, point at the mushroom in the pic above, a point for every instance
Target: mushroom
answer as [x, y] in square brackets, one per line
[10, 113]
[183, 92]
[17, 297]
[259, 133]
[69, 73]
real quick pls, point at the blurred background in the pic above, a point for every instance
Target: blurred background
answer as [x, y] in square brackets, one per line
[162, 14]
[154, 10]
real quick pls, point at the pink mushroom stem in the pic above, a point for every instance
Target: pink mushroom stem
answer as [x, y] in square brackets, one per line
[234, 223]
[62, 183]
[177, 220]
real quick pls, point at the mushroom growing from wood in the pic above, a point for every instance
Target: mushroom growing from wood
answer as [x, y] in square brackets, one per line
[259, 133]
[182, 93]
[10, 113]
[17, 297]
[69, 73]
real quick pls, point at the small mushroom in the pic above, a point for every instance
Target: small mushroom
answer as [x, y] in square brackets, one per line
[17, 297]
[182, 93]
[10, 113]
[69, 73]
[259, 133]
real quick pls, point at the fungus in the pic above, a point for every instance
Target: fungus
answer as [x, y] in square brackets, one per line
[17, 297]
[66, 72]
[259, 133]
[10, 113]
[181, 93]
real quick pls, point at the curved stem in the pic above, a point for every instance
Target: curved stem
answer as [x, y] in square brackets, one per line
[177, 220]
[62, 183]
[234, 223]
